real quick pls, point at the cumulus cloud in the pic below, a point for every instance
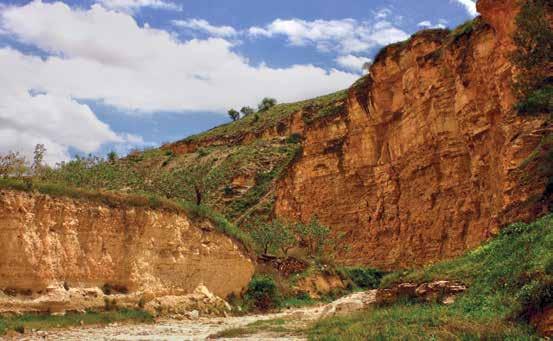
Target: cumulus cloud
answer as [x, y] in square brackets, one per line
[353, 63]
[204, 26]
[469, 5]
[56, 121]
[429, 24]
[102, 55]
[345, 35]
[134, 5]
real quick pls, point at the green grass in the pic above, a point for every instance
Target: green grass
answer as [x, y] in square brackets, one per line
[415, 322]
[464, 29]
[43, 322]
[266, 119]
[508, 277]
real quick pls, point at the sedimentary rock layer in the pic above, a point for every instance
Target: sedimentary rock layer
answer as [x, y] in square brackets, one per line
[48, 242]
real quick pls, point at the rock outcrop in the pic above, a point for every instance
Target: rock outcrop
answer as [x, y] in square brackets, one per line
[443, 292]
[64, 250]
[428, 158]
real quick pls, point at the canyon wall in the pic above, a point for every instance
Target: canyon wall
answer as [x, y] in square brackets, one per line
[428, 158]
[51, 242]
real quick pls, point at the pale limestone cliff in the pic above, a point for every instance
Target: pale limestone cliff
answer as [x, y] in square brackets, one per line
[48, 242]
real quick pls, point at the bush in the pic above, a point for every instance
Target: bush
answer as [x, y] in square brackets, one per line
[247, 111]
[549, 267]
[267, 103]
[537, 102]
[263, 293]
[294, 138]
[233, 114]
[534, 297]
[365, 278]
[534, 53]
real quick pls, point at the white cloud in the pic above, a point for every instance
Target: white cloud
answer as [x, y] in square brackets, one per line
[345, 35]
[425, 23]
[428, 24]
[353, 63]
[134, 5]
[102, 55]
[469, 5]
[56, 121]
[203, 25]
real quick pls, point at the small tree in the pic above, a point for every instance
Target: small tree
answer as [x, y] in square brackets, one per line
[38, 159]
[285, 239]
[112, 156]
[267, 103]
[247, 111]
[274, 235]
[263, 236]
[12, 164]
[233, 114]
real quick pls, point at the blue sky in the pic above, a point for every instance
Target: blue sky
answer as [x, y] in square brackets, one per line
[89, 76]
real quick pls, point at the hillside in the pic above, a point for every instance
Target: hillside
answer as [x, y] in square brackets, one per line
[423, 158]
[510, 283]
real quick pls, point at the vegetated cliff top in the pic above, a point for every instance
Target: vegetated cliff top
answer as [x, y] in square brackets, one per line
[313, 109]
[260, 121]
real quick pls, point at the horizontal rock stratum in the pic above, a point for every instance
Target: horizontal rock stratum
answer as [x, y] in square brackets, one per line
[49, 242]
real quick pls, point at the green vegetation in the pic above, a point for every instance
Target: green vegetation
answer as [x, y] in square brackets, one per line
[538, 101]
[233, 114]
[279, 237]
[25, 323]
[464, 29]
[267, 119]
[414, 322]
[509, 279]
[266, 104]
[364, 278]
[534, 58]
[263, 293]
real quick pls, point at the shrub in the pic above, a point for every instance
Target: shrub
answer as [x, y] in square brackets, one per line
[365, 278]
[549, 267]
[533, 57]
[267, 103]
[535, 296]
[538, 101]
[275, 235]
[12, 164]
[247, 111]
[263, 293]
[233, 114]
[294, 138]
[202, 152]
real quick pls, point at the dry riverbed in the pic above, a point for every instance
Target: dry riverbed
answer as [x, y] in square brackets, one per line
[285, 325]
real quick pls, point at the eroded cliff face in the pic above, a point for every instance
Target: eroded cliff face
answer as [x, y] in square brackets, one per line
[428, 159]
[52, 242]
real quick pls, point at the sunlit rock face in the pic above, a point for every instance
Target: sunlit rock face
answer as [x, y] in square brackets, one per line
[428, 159]
[51, 243]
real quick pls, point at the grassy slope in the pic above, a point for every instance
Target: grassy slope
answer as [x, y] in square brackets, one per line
[271, 117]
[507, 276]
[162, 173]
